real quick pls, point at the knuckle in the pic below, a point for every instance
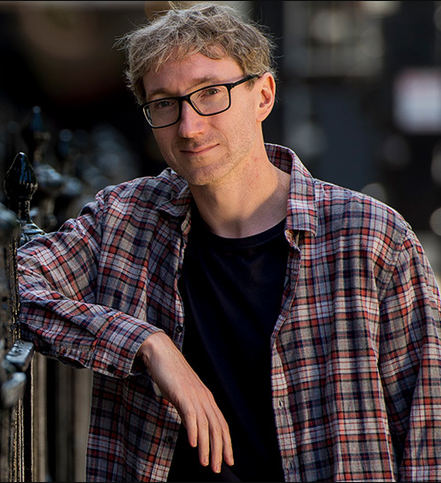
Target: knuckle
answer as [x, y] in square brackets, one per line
[190, 414]
[204, 424]
[216, 431]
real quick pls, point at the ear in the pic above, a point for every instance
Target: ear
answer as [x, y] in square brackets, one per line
[266, 86]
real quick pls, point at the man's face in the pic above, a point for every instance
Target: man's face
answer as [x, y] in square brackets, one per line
[206, 149]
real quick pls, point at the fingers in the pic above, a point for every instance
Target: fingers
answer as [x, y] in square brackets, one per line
[204, 443]
[221, 448]
[208, 430]
[228, 449]
[220, 445]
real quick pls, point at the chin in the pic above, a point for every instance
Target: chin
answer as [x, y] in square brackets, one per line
[201, 176]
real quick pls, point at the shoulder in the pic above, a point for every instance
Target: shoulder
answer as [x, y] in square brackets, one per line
[346, 203]
[140, 200]
[358, 216]
[145, 190]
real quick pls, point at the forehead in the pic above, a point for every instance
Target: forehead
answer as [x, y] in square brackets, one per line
[179, 75]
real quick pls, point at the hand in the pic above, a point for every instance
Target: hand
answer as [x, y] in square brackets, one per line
[181, 386]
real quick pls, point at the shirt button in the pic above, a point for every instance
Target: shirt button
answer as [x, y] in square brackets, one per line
[111, 368]
[179, 329]
[169, 439]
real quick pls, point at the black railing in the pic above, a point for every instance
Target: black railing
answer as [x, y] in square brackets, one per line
[32, 447]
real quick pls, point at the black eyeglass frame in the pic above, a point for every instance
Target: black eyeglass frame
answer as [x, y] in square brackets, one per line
[181, 99]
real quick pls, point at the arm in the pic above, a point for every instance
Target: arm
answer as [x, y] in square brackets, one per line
[410, 363]
[64, 279]
[67, 306]
[180, 385]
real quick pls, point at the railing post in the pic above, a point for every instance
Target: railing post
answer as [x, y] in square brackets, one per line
[11, 382]
[30, 453]
[20, 184]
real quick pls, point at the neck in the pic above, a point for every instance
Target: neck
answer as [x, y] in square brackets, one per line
[247, 207]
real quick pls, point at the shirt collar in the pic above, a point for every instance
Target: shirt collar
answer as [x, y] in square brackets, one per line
[301, 208]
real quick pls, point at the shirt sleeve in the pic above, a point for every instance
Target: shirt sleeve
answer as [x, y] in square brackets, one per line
[59, 300]
[410, 363]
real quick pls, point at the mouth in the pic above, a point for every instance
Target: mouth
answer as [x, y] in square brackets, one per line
[198, 150]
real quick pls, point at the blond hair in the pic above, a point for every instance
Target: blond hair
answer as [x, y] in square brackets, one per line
[213, 30]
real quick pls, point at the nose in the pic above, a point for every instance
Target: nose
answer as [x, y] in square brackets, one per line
[191, 123]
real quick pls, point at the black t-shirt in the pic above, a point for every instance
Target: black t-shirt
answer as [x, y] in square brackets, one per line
[232, 291]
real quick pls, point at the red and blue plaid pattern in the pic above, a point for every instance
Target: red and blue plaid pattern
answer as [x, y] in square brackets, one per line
[356, 351]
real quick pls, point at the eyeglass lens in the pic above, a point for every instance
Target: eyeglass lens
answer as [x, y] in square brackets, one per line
[207, 101]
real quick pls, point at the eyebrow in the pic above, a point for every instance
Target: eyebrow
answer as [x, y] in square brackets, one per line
[196, 82]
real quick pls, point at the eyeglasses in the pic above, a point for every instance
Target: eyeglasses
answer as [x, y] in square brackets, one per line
[206, 101]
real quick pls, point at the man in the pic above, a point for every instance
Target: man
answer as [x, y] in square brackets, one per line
[244, 321]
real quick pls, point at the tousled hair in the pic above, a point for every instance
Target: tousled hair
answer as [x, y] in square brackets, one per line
[213, 30]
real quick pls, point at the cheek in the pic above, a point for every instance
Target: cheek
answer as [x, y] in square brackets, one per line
[245, 119]
[164, 144]
[243, 127]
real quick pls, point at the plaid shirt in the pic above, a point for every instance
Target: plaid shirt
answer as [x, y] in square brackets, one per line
[356, 350]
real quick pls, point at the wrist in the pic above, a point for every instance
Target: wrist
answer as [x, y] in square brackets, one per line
[147, 348]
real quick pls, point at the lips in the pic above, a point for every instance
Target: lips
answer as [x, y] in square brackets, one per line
[197, 149]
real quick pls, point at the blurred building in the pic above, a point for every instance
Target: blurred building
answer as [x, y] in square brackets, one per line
[360, 100]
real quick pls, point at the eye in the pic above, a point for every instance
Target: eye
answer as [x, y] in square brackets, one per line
[210, 91]
[162, 104]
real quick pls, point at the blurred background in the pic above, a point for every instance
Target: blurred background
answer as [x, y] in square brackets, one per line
[359, 98]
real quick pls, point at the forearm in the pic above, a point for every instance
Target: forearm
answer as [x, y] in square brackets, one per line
[180, 385]
[93, 336]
